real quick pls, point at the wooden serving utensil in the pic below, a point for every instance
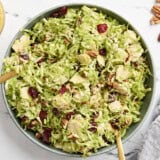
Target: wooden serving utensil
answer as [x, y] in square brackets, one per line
[119, 146]
[2, 17]
[7, 76]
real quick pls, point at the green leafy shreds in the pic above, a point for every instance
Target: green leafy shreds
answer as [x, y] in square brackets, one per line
[75, 86]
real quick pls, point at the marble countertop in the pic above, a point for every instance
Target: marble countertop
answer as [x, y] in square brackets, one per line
[13, 144]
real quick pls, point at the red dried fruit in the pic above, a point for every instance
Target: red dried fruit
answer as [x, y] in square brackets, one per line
[55, 15]
[29, 126]
[33, 92]
[135, 64]
[24, 56]
[40, 61]
[24, 118]
[46, 135]
[93, 123]
[55, 111]
[69, 115]
[102, 52]
[62, 11]
[92, 129]
[43, 115]
[102, 28]
[63, 89]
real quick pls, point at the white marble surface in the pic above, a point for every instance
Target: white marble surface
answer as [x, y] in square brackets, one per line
[13, 144]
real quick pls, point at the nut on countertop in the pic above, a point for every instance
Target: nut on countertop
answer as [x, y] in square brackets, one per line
[156, 14]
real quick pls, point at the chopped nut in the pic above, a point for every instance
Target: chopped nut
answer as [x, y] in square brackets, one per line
[73, 137]
[156, 9]
[110, 79]
[93, 54]
[67, 41]
[158, 38]
[120, 89]
[64, 122]
[154, 20]
[157, 15]
[38, 135]
[34, 122]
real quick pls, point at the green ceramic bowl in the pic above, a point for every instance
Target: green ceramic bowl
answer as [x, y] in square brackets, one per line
[146, 107]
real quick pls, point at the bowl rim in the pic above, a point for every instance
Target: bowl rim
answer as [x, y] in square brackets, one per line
[151, 102]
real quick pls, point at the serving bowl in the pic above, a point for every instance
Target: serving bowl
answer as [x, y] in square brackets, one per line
[145, 108]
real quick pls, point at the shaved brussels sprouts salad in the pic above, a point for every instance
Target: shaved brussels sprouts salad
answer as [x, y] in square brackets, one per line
[81, 77]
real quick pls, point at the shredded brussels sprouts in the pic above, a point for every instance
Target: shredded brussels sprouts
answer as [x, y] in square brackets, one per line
[81, 77]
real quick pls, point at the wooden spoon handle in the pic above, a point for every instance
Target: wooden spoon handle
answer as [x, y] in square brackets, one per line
[2, 17]
[120, 147]
[7, 76]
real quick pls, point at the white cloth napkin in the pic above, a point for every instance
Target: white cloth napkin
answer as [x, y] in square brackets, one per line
[151, 145]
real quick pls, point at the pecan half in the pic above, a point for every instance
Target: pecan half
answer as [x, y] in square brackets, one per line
[93, 54]
[155, 20]
[156, 9]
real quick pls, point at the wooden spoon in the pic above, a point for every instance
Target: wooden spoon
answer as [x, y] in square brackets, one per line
[2, 17]
[119, 146]
[7, 76]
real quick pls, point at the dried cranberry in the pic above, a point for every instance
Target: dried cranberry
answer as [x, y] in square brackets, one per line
[29, 126]
[55, 111]
[55, 15]
[102, 52]
[24, 56]
[40, 61]
[63, 89]
[46, 135]
[135, 64]
[93, 123]
[69, 115]
[102, 28]
[63, 11]
[92, 129]
[33, 92]
[24, 118]
[43, 115]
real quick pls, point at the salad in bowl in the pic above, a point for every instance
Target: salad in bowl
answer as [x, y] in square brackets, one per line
[81, 76]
